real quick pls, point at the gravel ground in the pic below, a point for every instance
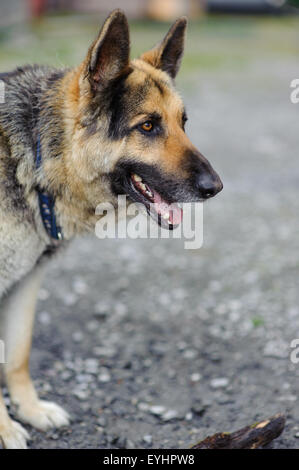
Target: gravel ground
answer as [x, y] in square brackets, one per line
[150, 345]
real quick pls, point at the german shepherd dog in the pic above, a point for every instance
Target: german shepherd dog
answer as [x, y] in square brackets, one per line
[69, 140]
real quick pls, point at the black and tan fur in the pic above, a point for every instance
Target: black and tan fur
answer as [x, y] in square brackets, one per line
[90, 124]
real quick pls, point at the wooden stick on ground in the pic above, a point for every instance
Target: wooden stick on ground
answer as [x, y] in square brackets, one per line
[250, 437]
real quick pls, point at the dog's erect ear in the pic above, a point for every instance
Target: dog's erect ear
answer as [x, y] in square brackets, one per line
[167, 55]
[108, 56]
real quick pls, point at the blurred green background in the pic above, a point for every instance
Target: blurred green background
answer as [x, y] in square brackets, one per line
[215, 41]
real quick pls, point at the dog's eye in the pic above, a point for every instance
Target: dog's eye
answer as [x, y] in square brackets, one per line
[147, 126]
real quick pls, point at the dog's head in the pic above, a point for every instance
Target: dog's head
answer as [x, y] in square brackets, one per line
[132, 124]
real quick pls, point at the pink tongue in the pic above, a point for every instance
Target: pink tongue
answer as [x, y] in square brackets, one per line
[162, 207]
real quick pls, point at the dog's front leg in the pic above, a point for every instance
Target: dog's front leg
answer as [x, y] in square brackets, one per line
[17, 326]
[12, 434]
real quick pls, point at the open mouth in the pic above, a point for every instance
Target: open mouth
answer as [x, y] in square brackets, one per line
[167, 215]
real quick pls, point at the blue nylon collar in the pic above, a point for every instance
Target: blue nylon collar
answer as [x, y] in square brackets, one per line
[47, 203]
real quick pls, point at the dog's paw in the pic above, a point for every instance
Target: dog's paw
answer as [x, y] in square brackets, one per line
[43, 415]
[14, 436]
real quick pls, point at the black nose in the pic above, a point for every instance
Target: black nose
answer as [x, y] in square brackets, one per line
[208, 184]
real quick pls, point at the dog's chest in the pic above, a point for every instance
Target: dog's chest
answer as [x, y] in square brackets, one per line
[20, 249]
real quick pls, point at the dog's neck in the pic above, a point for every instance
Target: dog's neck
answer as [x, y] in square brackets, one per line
[60, 175]
[46, 102]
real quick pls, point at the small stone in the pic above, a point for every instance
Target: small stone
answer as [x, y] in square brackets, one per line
[84, 378]
[143, 406]
[66, 375]
[170, 415]
[286, 386]
[287, 398]
[105, 351]
[195, 377]
[276, 349]
[59, 366]
[104, 376]
[102, 421]
[91, 366]
[121, 284]
[77, 336]
[120, 309]
[101, 309]
[99, 393]
[130, 444]
[43, 294]
[199, 409]
[171, 373]
[92, 325]
[148, 439]
[80, 286]
[44, 318]
[69, 299]
[46, 387]
[157, 410]
[220, 382]
[81, 394]
[120, 442]
[190, 354]
[159, 349]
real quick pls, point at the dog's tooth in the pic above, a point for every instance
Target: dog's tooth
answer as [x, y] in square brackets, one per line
[166, 216]
[137, 177]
